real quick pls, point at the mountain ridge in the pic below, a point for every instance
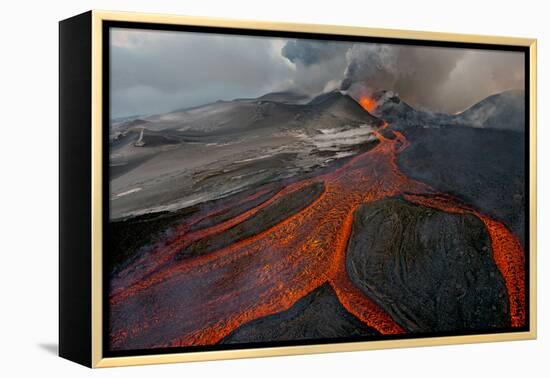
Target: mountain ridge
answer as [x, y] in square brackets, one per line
[504, 110]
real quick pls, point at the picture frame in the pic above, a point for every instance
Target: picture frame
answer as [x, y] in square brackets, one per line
[86, 82]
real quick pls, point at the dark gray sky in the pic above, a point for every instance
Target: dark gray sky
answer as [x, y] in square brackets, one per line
[160, 71]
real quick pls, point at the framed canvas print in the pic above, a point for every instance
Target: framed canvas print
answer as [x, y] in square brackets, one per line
[235, 189]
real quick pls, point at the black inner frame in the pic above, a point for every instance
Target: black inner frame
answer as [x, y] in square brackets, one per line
[107, 25]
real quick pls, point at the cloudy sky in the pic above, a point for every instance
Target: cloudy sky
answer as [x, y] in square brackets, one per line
[160, 71]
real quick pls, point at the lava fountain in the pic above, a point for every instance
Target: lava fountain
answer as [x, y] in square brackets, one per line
[368, 103]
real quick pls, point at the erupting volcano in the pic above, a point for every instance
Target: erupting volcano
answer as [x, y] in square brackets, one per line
[230, 270]
[368, 103]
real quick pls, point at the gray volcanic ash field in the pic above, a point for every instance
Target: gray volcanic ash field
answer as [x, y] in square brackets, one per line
[200, 154]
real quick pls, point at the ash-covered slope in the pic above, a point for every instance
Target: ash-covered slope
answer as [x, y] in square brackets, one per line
[173, 160]
[280, 110]
[225, 117]
[505, 111]
[285, 97]
[335, 109]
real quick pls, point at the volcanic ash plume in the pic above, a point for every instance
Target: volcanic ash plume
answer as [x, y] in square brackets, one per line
[371, 66]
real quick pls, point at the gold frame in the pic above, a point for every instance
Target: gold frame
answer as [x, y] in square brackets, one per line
[96, 264]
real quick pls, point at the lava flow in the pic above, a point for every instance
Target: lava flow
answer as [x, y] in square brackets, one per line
[200, 300]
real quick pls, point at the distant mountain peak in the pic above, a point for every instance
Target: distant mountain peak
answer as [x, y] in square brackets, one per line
[338, 104]
[331, 96]
[287, 93]
[514, 95]
[390, 107]
[285, 97]
[504, 110]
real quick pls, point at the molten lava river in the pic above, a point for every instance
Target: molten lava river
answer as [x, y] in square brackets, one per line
[161, 301]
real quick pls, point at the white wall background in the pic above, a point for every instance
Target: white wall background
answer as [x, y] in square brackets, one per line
[28, 211]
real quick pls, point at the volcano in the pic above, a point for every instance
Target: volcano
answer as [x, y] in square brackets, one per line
[322, 219]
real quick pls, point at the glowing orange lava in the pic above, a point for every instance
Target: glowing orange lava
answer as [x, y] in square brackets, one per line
[164, 302]
[368, 103]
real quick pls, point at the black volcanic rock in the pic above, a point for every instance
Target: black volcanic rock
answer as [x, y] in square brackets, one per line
[316, 316]
[130, 238]
[232, 211]
[390, 107]
[387, 133]
[431, 271]
[484, 168]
